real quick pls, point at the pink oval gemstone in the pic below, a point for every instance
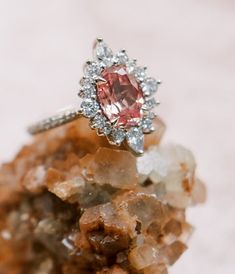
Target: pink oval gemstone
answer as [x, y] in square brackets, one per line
[120, 97]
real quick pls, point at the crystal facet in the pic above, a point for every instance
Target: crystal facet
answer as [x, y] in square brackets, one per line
[120, 97]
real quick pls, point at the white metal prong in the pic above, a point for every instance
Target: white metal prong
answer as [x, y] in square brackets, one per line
[158, 103]
[100, 79]
[99, 39]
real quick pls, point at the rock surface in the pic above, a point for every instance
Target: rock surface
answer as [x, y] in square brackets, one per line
[71, 203]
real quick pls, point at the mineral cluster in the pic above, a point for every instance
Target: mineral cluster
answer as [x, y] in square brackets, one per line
[71, 203]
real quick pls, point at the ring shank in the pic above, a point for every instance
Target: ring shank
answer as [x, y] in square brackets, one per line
[59, 119]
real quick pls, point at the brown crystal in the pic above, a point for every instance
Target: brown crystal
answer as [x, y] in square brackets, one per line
[156, 269]
[108, 166]
[71, 203]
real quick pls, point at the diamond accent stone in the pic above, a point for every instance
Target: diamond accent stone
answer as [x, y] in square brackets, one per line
[140, 73]
[86, 81]
[131, 65]
[92, 69]
[121, 58]
[149, 104]
[89, 108]
[102, 51]
[120, 97]
[149, 86]
[118, 136]
[135, 140]
[88, 89]
[98, 121]
[147, 125]
[106, 130]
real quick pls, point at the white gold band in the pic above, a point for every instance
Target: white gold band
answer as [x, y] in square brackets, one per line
[62, 117]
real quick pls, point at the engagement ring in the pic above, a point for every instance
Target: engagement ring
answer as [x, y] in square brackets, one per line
[117, 98]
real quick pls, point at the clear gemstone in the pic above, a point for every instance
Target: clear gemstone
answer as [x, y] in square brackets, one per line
[88, 89]
[131, 65]
[92, 69]
[86, 81]
[89, 108]
[140, 73]
[118, 136]
[121, 58]
[120, 97]
[102, 51]
[149, 104]
[147, 125]
[98, 121]
[106, 130]
[149, 86]
[135, 140]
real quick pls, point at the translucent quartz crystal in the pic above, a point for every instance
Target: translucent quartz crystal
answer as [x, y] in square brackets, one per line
[143, 256]
[72, 203]
[69, 189]
[109, 166]
[174, 167]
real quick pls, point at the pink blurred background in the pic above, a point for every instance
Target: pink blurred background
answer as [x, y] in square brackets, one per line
[188, 44]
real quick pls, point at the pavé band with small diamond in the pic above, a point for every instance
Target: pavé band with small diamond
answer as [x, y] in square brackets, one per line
[117, 97]
[59, 119]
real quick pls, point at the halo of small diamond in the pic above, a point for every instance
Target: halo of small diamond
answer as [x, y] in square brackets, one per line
[90, 108]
